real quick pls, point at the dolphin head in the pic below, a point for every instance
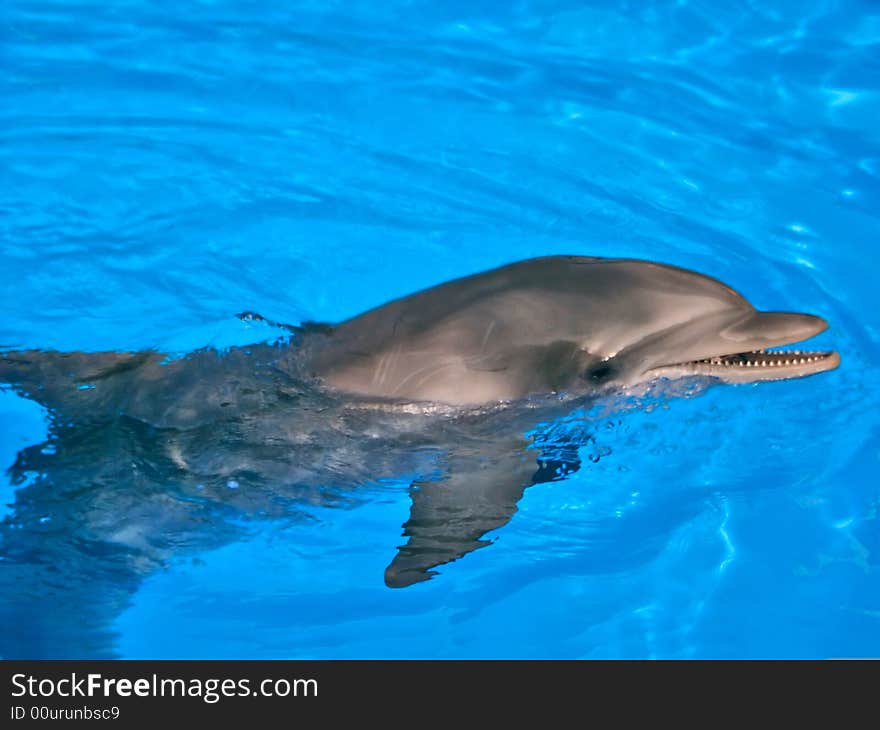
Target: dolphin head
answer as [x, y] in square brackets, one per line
[702, 327]
[564, 323]
[729, 348]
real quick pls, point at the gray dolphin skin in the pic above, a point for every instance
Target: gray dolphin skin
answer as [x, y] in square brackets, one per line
[563, 323]
[149, 458]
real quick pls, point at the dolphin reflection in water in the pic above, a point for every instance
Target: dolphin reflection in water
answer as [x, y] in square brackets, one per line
[440, 387]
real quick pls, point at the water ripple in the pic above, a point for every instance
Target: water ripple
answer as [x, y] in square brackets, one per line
[164, 168]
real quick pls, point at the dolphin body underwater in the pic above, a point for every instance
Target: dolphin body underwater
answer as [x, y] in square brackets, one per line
[149, 457]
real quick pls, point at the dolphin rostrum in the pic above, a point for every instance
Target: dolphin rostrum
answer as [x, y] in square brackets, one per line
[148, 456]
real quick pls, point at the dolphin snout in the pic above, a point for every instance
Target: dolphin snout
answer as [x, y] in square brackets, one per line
[770, 329]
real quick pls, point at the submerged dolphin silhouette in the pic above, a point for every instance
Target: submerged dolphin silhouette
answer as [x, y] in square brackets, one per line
[440, 385]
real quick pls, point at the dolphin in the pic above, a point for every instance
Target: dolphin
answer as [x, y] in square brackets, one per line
[569, 323]
[458, 389]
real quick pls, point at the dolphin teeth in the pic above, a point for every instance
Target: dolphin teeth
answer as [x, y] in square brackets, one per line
[760, 359]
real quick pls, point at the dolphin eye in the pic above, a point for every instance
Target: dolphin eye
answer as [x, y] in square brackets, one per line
[599, 373]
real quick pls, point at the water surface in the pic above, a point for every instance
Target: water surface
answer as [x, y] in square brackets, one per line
[164, 166]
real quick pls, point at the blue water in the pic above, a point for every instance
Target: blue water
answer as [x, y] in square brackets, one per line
[166, 165]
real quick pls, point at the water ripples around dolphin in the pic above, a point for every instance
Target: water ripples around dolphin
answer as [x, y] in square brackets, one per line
[162, 171]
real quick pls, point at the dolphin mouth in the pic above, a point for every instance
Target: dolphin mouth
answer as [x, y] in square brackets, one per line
[757, 365]
[767, 330]
[767, 358]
